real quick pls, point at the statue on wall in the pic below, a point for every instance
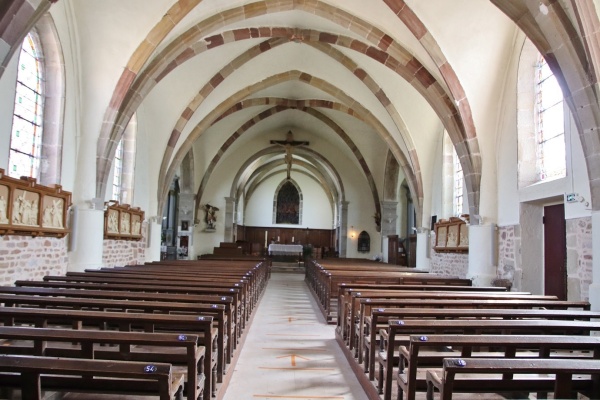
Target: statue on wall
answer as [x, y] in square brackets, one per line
[3, 211]
[211, 217]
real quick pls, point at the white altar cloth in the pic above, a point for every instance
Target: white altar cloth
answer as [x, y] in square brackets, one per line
[285, 249]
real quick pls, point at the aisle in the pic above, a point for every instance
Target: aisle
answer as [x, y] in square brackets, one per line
[290, 352]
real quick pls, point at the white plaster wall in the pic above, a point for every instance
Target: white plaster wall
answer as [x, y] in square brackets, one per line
[316, 207]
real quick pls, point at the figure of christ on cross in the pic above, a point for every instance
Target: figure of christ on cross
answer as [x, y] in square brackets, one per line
[288, 144]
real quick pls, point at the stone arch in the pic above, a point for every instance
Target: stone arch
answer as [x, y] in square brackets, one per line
[54, 101]
[383, 46]
[319, 166]
[571, 53]
[17, 18]
[287, 105]
[234, 99]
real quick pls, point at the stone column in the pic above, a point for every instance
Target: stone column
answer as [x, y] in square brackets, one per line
[343, 239]
[423, 248]
[153, 238]
[594, 289]
[483, 255]
[87, 236]
[229, 220]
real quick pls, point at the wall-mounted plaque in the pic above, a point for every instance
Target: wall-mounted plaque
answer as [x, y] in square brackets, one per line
[122, 222]
[27, 208]
[452, 235]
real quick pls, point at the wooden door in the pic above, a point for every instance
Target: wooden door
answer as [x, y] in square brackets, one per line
[555, 251]
[393, 249]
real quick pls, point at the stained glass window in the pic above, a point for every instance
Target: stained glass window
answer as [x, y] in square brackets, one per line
[550, 124]
[118, 172]
[288, 204]
[458, 185]
[26, 138]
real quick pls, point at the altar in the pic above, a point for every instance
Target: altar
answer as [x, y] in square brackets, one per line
[285, 250]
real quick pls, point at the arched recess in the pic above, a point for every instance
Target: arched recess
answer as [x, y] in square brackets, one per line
[271, 169]
[390, 183]
[254, 169]
[292, 105]
[571, 54]
[383, 48]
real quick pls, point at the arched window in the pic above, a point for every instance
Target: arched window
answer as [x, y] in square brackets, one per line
[36, 143]
[117, 172]
[550, 124]
[540, 120]
[458, 185]
[124, 165]
[288, 204]
[26, 137]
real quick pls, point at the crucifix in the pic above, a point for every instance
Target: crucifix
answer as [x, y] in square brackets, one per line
[288, 144]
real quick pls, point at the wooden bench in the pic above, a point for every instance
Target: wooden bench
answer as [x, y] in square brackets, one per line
[375, 314]
[345, 289]
[149, 288]
[32, 375]
[217, 311]
[211, 283]
[354, 304]
[492, 372]
[98, 293]
[424, 353]
[175, 349]
[198, 325]
[391, 339]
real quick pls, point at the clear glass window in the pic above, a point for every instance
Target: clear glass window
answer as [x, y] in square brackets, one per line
[118, 172]
[550, 124]
[458, 185]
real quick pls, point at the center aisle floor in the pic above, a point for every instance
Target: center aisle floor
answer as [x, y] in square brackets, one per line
[290, 351]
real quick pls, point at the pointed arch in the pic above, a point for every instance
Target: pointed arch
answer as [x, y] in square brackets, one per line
[287, 203]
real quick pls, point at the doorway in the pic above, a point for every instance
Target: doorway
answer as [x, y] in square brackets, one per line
[555, 251]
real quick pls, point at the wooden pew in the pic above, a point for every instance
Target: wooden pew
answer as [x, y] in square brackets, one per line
[354, 304]
[199, 325]
[349, 300]
[217, 311]
[248, 282]
[215, 282]
[33, 374]
[99, 293]
[175, 349]
[376, 313]
[149, 288]
[422, 353]
[564, 385]
[391, 338]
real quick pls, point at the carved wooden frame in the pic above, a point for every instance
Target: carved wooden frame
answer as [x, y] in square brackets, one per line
[451, 236]
[122, 222]
[27, 208]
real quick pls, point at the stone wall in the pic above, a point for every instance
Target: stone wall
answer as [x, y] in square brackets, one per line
[448, 264]
[509, 247]
[117, 253]
[579, 258]
[28, 258]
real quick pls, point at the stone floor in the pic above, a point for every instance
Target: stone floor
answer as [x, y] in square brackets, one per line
[290, 352]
